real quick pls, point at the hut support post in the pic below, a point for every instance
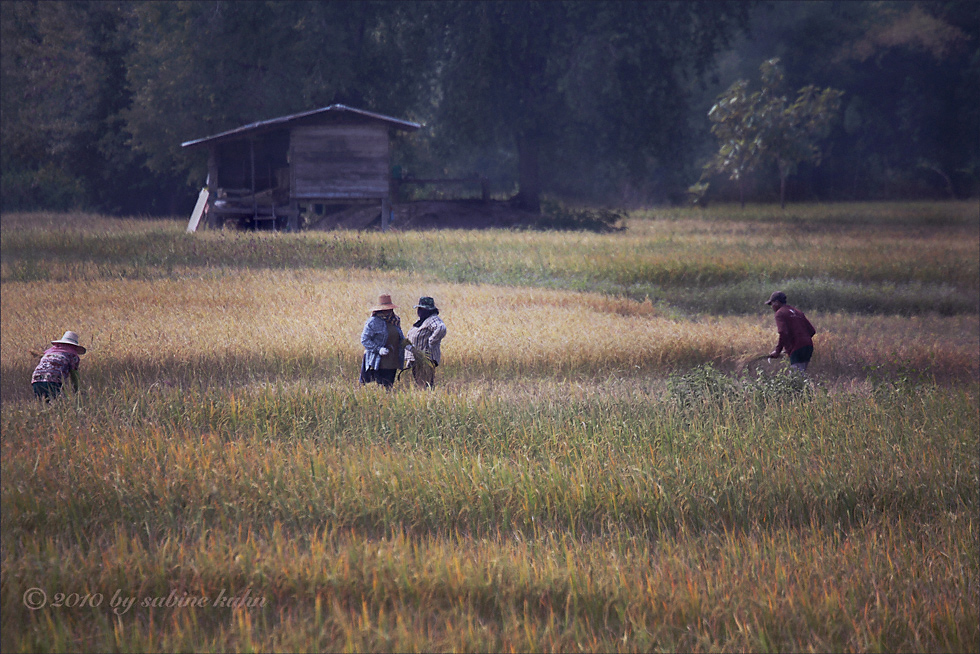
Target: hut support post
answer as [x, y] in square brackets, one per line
[212, 218]
[385, 212]
[251, 152]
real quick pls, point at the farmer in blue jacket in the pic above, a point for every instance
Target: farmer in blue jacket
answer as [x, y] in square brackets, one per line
[382, 338]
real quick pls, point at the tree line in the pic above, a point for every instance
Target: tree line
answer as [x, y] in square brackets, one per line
[582, 101]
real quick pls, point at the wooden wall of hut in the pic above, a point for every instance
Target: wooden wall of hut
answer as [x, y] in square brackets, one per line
[339, 162]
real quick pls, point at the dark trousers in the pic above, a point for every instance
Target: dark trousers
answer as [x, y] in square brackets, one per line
[46, 391]
[384, 377]
[800, 358]
[802, 355]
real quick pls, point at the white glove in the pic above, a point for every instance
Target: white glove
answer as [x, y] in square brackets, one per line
[383, 351]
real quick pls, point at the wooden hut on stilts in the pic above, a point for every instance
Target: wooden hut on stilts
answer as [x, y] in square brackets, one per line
[265, 173]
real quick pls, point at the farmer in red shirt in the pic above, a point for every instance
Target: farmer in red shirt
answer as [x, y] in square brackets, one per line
[795, 332]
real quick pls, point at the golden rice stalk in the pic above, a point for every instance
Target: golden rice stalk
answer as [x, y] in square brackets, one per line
[421, 356]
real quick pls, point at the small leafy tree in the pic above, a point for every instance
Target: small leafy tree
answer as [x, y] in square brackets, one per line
[792, 130]
[735, 125]
[764, 126]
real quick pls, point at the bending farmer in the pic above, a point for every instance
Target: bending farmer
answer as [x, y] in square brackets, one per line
[58, 361]
[795, 332]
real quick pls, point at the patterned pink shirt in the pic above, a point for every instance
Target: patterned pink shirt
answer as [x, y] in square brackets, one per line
[56, 364]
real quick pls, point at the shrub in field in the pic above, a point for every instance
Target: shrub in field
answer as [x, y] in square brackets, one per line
[707, 385]
[559, 217]
[702, 385]
[785, 385]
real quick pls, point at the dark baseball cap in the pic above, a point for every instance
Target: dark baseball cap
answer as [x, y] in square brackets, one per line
[777, 296]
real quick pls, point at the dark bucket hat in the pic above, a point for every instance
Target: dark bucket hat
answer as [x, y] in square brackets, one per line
[426, 302]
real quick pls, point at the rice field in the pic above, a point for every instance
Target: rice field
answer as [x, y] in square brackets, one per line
[604, 464]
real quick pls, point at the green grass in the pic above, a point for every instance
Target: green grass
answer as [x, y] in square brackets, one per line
[440, 522]
[554, 492]
[895, 259]
[710, 459]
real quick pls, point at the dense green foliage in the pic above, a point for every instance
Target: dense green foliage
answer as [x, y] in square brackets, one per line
[568, 87]
[583, 101]
[911, 110]
[765, 127]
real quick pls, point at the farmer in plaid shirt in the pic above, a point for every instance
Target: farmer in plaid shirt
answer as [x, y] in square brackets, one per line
[425, 336]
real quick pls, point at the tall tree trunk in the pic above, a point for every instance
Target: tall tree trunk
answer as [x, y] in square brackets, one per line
[529, 182]
[785, 168]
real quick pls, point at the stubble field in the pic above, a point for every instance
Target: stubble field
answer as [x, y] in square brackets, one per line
[604, 465]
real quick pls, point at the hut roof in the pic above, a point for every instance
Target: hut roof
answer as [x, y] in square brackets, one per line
[264, 125]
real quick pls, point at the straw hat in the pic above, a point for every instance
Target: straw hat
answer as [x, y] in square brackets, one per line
[384, 303]
[70, 338]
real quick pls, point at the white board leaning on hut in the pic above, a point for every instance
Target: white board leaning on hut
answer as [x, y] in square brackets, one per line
[202, 201]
